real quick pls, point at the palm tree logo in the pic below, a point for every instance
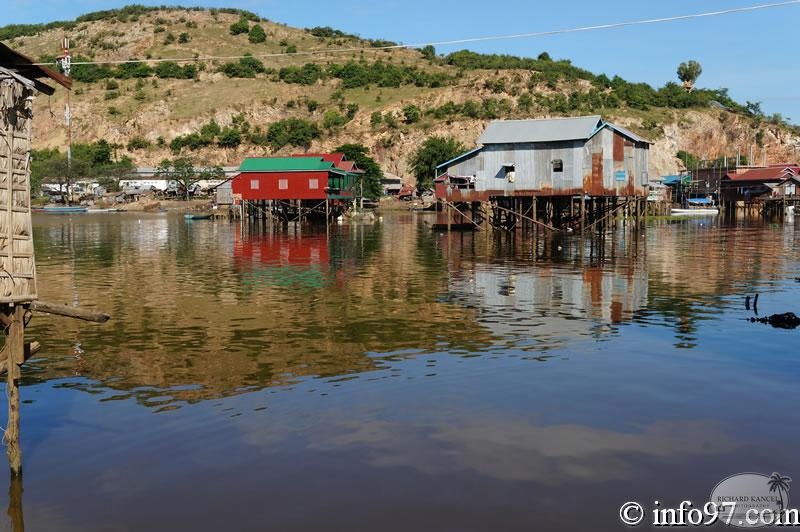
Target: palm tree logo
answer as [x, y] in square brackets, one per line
[780, 485]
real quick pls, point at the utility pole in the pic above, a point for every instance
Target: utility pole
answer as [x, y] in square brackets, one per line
[65, 60]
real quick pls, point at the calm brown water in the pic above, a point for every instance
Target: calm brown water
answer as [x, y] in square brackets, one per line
[389, 378]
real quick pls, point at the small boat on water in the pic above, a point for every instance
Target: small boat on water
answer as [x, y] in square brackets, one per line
[695, 212]
[197, 215]
[697, 207]
[59, 210]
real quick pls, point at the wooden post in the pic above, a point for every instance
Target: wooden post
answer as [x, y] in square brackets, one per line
[15, 350]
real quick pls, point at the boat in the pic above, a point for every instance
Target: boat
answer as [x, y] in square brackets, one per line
[197, 215]
[696, 211]
[59, 210]
[697, 207]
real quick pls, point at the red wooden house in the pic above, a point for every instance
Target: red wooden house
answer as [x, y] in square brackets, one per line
[298, 186]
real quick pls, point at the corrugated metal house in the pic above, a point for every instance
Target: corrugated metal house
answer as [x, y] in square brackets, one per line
[761, 183]
[550, 157]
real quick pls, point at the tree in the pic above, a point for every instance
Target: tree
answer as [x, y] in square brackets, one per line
[372, 171]
[257, 34]
[181, 170]
[428, 52]
[433, 152]
[110, 175]
[242, 26]
[688, 74]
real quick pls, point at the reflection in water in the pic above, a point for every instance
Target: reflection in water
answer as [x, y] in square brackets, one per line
[389, 377]
[15, 514]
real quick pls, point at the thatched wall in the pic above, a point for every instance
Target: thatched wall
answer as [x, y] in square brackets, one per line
[17, 269]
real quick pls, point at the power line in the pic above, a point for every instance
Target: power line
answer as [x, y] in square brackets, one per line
[531, 35]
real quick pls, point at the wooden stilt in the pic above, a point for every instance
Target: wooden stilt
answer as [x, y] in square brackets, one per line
[15, 351]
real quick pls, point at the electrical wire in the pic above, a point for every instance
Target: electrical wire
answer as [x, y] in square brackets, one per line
[531, 35]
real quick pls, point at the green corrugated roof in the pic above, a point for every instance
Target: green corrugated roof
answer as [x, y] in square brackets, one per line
[284, 164]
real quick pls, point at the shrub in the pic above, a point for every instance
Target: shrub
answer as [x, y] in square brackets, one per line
[184, 37]
[411, 114]
[247, 67]
[229, 138]
[307, 74]
[239, 27]
[257, 34]
[292, 132]
[138, 143]
[172, 70]
[332, 119]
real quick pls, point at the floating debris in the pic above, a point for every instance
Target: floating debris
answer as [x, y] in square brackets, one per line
[788, 320]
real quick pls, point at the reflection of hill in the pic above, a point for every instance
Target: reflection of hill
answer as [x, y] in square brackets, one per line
[191, 321]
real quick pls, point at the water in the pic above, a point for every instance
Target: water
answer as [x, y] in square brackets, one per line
[390, 378]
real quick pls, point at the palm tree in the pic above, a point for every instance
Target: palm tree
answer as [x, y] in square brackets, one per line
[780, 485]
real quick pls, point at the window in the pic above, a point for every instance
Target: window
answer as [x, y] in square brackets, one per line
[254, 184]
[313, 184]
[283, 184]
[558, 165]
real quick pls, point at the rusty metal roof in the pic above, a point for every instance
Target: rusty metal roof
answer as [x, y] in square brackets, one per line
[544, 130]
[25, 67]
[770, 173]
[626, 133]
[550, 130]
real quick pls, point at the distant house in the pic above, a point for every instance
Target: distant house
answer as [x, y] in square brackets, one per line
[550, 157]
[293, 178]
[761, 183]
[391, 184]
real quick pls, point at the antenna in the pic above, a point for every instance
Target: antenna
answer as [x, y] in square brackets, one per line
[65, 61]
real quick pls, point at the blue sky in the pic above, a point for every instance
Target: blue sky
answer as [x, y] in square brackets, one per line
[753, 54]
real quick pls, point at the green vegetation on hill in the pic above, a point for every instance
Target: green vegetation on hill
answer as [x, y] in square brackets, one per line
[130, 13]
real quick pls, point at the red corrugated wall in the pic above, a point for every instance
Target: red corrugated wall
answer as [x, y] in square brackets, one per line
[268, 187]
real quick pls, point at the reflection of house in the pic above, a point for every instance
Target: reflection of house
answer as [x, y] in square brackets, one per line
[553, 157]
[769, 182]
[548, 304]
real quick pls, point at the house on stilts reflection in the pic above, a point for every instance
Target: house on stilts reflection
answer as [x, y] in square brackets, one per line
[296, 188]
[563, 172]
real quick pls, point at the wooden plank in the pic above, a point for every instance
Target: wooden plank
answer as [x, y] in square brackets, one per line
[70, 312]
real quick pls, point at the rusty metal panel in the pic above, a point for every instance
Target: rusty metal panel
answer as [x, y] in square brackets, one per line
[619, 147]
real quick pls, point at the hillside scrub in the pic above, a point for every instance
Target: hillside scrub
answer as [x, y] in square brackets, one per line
[123, 14]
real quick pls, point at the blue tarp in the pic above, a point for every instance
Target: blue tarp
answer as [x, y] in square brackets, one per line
[700, 201]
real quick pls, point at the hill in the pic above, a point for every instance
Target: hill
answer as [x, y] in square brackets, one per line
[318, 88]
